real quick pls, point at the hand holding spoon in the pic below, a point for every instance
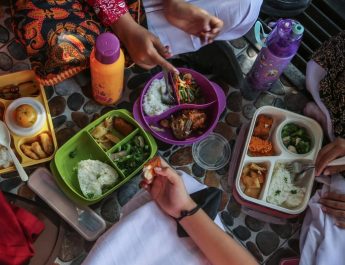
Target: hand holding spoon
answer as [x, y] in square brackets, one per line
[5, 140]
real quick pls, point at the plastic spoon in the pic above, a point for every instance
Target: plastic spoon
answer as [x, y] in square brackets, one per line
[5, 140]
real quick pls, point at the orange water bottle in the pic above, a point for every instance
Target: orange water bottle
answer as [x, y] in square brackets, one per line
[107, 64]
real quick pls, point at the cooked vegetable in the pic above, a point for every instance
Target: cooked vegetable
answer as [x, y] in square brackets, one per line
[296, 139]
[105, 133]
[259, 147]
[187, 90]
[131, 155]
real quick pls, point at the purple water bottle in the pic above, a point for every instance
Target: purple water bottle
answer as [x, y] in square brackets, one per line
[280, 47]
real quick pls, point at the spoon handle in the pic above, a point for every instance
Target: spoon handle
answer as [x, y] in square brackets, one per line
[19, 167]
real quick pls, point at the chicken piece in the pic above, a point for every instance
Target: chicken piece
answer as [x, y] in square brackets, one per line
[37, 149]
[27, 150]
[251, 182]
[198, 119]
[263, 127]
[148, 170]
[122, 126]
[47, 143]
[99, 131]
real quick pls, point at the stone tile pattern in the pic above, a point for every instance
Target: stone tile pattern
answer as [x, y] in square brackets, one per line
[72, 108]
[13, 57]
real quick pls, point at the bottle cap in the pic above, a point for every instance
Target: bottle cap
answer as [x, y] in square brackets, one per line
[107, 49]
[297, 29]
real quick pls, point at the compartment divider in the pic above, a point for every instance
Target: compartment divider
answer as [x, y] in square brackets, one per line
[109, 160]
[268, 179]
[129, 136]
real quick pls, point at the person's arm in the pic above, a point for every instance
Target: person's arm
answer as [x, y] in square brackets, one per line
[169, 192]
[145, 49]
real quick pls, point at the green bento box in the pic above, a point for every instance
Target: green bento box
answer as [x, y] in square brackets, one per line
[83, 146]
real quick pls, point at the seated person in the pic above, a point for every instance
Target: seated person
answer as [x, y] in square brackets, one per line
[60, 47]
[322, 236]
[147, 235]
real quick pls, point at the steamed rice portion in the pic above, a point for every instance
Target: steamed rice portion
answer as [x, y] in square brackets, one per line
[153, 104]
[94, 176]
[281, 190]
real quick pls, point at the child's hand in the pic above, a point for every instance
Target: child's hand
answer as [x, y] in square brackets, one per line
[169, 192]
[334, 204]
[192, 20]
[327, 154]
[145, 49]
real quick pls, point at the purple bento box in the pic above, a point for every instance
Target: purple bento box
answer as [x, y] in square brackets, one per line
[215, 103]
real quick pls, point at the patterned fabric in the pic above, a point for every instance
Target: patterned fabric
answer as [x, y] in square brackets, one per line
[331, 57]
[59, 35]
[108, 11]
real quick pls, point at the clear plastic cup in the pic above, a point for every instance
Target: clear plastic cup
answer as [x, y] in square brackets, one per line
[212, 153]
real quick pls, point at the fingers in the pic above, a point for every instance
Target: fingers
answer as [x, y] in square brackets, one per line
[340, 223]
[328, 154]
[167, 172]
[333, 212]
[335, 196]
[333, 204]
[334, 170]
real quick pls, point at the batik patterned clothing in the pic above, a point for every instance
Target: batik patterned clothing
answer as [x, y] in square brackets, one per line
[331, 57]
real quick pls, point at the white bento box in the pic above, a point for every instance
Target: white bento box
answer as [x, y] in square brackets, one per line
[281, 155]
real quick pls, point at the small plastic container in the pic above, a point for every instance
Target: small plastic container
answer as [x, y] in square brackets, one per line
[83, 146]
[29, 92]
[84, 220]
[212, 153]
[281, 155]
[21, 131]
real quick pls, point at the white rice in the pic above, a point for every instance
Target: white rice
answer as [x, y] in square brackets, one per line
[5, 158]
[93, 175]
[153, 104]
[281, 191]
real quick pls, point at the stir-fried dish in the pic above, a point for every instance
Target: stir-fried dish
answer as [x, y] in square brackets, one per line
[186, 89]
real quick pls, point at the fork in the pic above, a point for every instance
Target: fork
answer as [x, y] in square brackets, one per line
[167, 95]
[297, 168]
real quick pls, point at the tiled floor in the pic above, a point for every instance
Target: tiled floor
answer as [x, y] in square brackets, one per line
[72, 108]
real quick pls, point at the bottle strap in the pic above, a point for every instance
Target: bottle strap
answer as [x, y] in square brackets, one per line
[259, 31]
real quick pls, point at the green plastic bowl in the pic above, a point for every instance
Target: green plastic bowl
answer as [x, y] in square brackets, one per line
[83, 146]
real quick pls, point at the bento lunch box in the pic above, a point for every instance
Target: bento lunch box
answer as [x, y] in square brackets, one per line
[83, 146]
[281, 155]
[214, 105]
[25, 86]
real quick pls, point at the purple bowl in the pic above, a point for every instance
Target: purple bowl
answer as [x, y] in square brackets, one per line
[214, 106]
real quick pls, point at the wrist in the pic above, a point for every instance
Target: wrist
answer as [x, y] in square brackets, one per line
[124, 27]
[187, 206]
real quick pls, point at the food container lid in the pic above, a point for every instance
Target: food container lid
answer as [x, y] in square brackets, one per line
[212, 153]
[107, 49]
[21, 131]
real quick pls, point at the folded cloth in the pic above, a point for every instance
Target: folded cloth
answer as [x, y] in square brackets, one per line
[18, 230]
[321, 241]
[238, 17]
[145, 235]
[209, 200]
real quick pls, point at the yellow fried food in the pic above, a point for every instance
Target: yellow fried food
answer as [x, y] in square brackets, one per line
[47, 143]
[111, 137]
[37, 149]
[27, 150]
[99, 132]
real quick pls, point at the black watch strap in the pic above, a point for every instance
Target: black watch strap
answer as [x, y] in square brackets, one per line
[186, 213]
